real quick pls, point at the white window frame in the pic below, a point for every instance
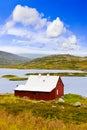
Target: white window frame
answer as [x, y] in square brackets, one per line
[57, 92]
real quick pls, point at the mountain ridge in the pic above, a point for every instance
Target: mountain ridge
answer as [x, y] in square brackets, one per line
[7, 58]
[61, 62]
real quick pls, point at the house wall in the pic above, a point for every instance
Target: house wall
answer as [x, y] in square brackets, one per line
[35, 95]
[57, 92]
[60, 88]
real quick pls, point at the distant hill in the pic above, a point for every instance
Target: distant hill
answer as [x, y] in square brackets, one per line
[57, 62]
[11, 59]
[32, 56]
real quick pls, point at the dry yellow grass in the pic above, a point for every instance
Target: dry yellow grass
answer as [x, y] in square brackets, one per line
[26, 121]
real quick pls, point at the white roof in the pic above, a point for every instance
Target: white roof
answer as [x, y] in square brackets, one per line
[39, 83]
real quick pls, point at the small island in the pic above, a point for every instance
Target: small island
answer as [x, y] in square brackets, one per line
[14, 77]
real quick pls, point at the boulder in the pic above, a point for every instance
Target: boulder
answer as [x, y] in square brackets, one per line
[61, 100]
[77, 104]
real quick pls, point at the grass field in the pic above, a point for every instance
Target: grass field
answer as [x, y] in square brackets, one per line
[24, 114]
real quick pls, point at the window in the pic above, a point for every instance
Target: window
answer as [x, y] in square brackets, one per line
[57, 91]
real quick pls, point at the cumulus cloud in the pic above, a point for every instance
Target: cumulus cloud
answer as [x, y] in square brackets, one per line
[31, 30]
[28, 16]
[55, 28]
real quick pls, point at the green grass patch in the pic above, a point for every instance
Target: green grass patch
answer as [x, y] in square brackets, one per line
[72, 98]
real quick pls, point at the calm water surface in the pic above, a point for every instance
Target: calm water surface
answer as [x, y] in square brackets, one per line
[76, 85]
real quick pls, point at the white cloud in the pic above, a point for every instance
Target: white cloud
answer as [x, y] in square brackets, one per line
[55, 28]
[72, 39]
[19, 32]
[9, 24]
[70, 43]
[28, 16]
[27, 27]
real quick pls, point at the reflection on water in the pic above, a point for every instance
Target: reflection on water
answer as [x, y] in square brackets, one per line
[77, 85]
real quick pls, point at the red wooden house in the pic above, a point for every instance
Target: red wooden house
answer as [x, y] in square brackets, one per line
[40, 87]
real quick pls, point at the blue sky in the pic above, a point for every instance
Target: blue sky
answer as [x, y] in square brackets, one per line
[43, 26]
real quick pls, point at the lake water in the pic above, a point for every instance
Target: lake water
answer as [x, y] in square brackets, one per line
[76, 85]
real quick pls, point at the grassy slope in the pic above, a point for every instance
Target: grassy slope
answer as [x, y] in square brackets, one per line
[56, 62]
[25, 114]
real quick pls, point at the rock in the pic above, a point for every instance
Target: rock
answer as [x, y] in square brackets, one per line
[42, 101]
[53, 106]
[62, 107]
[34, 102]
[77, 104]
[61, 100]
